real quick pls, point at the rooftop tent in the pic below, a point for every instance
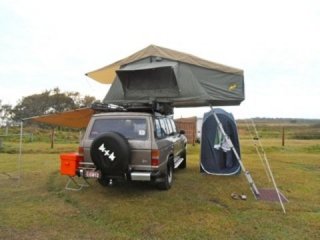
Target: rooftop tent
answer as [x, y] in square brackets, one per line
[164, 75]
[216, 156]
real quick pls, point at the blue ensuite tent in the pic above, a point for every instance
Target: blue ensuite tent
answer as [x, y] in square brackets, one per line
[217, 158]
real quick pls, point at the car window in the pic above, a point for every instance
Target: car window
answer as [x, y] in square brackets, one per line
[169, 126]
[164, 126]
[159, 132]
[129, 128]
[173, 125]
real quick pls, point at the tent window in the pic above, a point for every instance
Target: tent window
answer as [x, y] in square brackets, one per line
[155, 78]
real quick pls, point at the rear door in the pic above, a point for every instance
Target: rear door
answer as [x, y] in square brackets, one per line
[136, 129]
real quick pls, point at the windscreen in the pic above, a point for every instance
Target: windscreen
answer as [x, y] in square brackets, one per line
[130, 128]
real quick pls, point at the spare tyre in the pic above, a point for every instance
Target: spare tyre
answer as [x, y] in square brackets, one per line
[110, 152]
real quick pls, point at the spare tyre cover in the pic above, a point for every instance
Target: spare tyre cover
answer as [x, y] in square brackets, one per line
[110, 152]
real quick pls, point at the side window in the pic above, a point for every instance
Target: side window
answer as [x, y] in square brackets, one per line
[169, 126]
[173, 125]
[158, 132]
[164, 126]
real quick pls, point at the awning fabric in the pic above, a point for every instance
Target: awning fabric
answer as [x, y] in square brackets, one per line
[78, 118]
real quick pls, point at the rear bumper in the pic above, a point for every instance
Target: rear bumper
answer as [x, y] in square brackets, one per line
[144, 176]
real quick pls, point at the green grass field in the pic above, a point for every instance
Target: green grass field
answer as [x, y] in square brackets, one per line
[197, 207]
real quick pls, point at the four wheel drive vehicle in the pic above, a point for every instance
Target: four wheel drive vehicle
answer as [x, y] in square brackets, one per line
[134, 146]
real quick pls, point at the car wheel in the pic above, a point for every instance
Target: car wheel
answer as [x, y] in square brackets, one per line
[168, 178]
[110, 153]
[104, 181]
[183, 165]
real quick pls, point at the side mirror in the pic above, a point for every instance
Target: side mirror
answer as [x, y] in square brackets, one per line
[182, 132]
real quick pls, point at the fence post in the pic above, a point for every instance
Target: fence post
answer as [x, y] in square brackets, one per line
[283, 137]
[52, 137]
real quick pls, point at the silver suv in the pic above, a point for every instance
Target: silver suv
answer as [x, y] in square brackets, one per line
[134, 146]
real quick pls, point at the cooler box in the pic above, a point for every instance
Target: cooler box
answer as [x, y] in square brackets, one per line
[69, 163]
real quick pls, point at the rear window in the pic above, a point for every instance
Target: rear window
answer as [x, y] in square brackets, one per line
[130, 128]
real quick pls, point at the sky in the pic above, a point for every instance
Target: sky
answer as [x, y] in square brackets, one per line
[47, 44]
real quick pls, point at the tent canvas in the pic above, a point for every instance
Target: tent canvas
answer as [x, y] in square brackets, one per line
[164, 75]
[217, 157]
[107, 74]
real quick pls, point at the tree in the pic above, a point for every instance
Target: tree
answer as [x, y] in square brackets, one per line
[87, 101]
[5, 113]
[44, 103]
[50, 101]
[59, 102]
[80, 101]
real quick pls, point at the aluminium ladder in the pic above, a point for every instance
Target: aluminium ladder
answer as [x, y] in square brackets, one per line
[247, 174]
[265, 162]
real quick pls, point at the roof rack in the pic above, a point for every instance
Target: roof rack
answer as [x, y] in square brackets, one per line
[102, 107]
[154, 107]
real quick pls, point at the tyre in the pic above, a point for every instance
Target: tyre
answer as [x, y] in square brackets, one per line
[168, 178]
[183, 165]
[110, 153]
[104, 181]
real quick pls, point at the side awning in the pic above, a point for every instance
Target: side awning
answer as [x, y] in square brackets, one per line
[78, 118]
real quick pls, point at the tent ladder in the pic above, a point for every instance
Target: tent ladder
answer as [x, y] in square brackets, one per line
[247, 174]
[254, 139]
[270, 174]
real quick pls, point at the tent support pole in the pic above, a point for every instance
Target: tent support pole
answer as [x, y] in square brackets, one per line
[253, 187]
[20, 153]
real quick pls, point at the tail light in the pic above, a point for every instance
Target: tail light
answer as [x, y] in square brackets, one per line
[80, 154]
[155, 156]
[80, 150]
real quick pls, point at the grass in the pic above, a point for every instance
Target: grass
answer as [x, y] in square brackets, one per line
[197, 207]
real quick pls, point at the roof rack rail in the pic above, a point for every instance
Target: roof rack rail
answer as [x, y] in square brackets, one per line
[154, 107]
[102, 107]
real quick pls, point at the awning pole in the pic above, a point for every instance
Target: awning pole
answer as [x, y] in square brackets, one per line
[20, 153]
